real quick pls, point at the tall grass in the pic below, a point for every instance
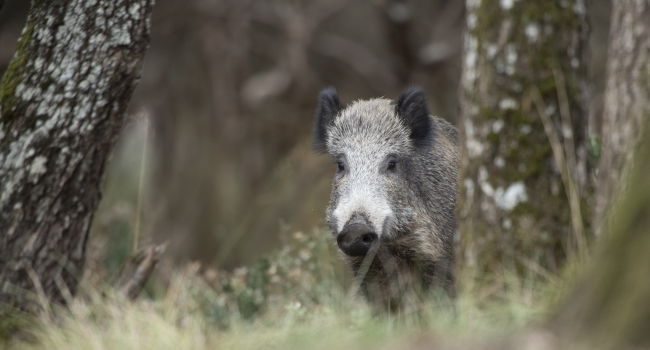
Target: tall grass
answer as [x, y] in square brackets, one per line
[295, 298]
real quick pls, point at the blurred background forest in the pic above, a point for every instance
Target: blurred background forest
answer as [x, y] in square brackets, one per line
[221, 120]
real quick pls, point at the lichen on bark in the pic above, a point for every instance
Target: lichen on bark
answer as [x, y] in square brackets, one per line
[522, 58]
[63, 100]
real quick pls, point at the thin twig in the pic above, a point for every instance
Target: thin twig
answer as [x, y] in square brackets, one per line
[363, 269]
[565, 115]
[138, 210]
[571, 190]
[139, 270]
[66, 294]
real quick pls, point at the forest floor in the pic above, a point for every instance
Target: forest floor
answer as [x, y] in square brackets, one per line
[296, 298]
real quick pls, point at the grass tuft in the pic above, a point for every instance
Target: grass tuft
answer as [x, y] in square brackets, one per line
[295, 298]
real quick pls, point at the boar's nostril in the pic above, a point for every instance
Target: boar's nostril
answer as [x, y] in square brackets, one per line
[369, 237]
[356, 239]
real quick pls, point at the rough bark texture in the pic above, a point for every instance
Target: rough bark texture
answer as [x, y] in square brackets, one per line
[609, 309]
[626, 95]
[62, 104]
[523, 127]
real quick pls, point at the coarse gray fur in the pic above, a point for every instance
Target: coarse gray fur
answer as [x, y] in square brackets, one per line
[411, 207]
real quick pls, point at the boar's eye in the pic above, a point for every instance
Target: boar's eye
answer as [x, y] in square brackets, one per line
[340, 167]
[391, 163]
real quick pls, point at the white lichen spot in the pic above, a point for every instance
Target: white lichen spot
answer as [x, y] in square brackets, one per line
[120, 35]
[38, 166]
[497, 126]
[38, 63]
[492, 50]
[19, 89]
[506, 4]
[507, 103]
[507, 223]
[575, 62]
[469, 188]
[550, 109]
[135, 10]
[509, 198]
[97, 39]
[532, 31]
[28, 93]
[472, 4]
[499, 162]
[580, 8]
[471, 20]
[469, 73]
[474, 146]
[43, 34]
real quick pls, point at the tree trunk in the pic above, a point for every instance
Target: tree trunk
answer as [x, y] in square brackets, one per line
[62, 104]
[523, 127]
[609, 309]
[626, 94]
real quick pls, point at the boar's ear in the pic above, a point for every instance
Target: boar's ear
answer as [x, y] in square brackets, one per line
[328, 107]
[412, 109]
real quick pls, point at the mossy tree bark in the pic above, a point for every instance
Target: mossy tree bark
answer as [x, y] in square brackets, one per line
[62, 104]
[609, 309]
[626, 92]
[523, 126]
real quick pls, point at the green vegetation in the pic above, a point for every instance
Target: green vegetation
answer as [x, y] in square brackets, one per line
[294, 298]
[12, 76]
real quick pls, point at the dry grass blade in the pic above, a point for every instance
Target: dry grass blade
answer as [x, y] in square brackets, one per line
[138, 270]
[363, 269]
[565, 172]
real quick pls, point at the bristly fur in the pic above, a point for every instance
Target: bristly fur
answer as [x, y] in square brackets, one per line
[329, 106]
[411, 207]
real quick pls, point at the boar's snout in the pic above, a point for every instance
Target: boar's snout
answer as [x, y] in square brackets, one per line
[356, 238]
